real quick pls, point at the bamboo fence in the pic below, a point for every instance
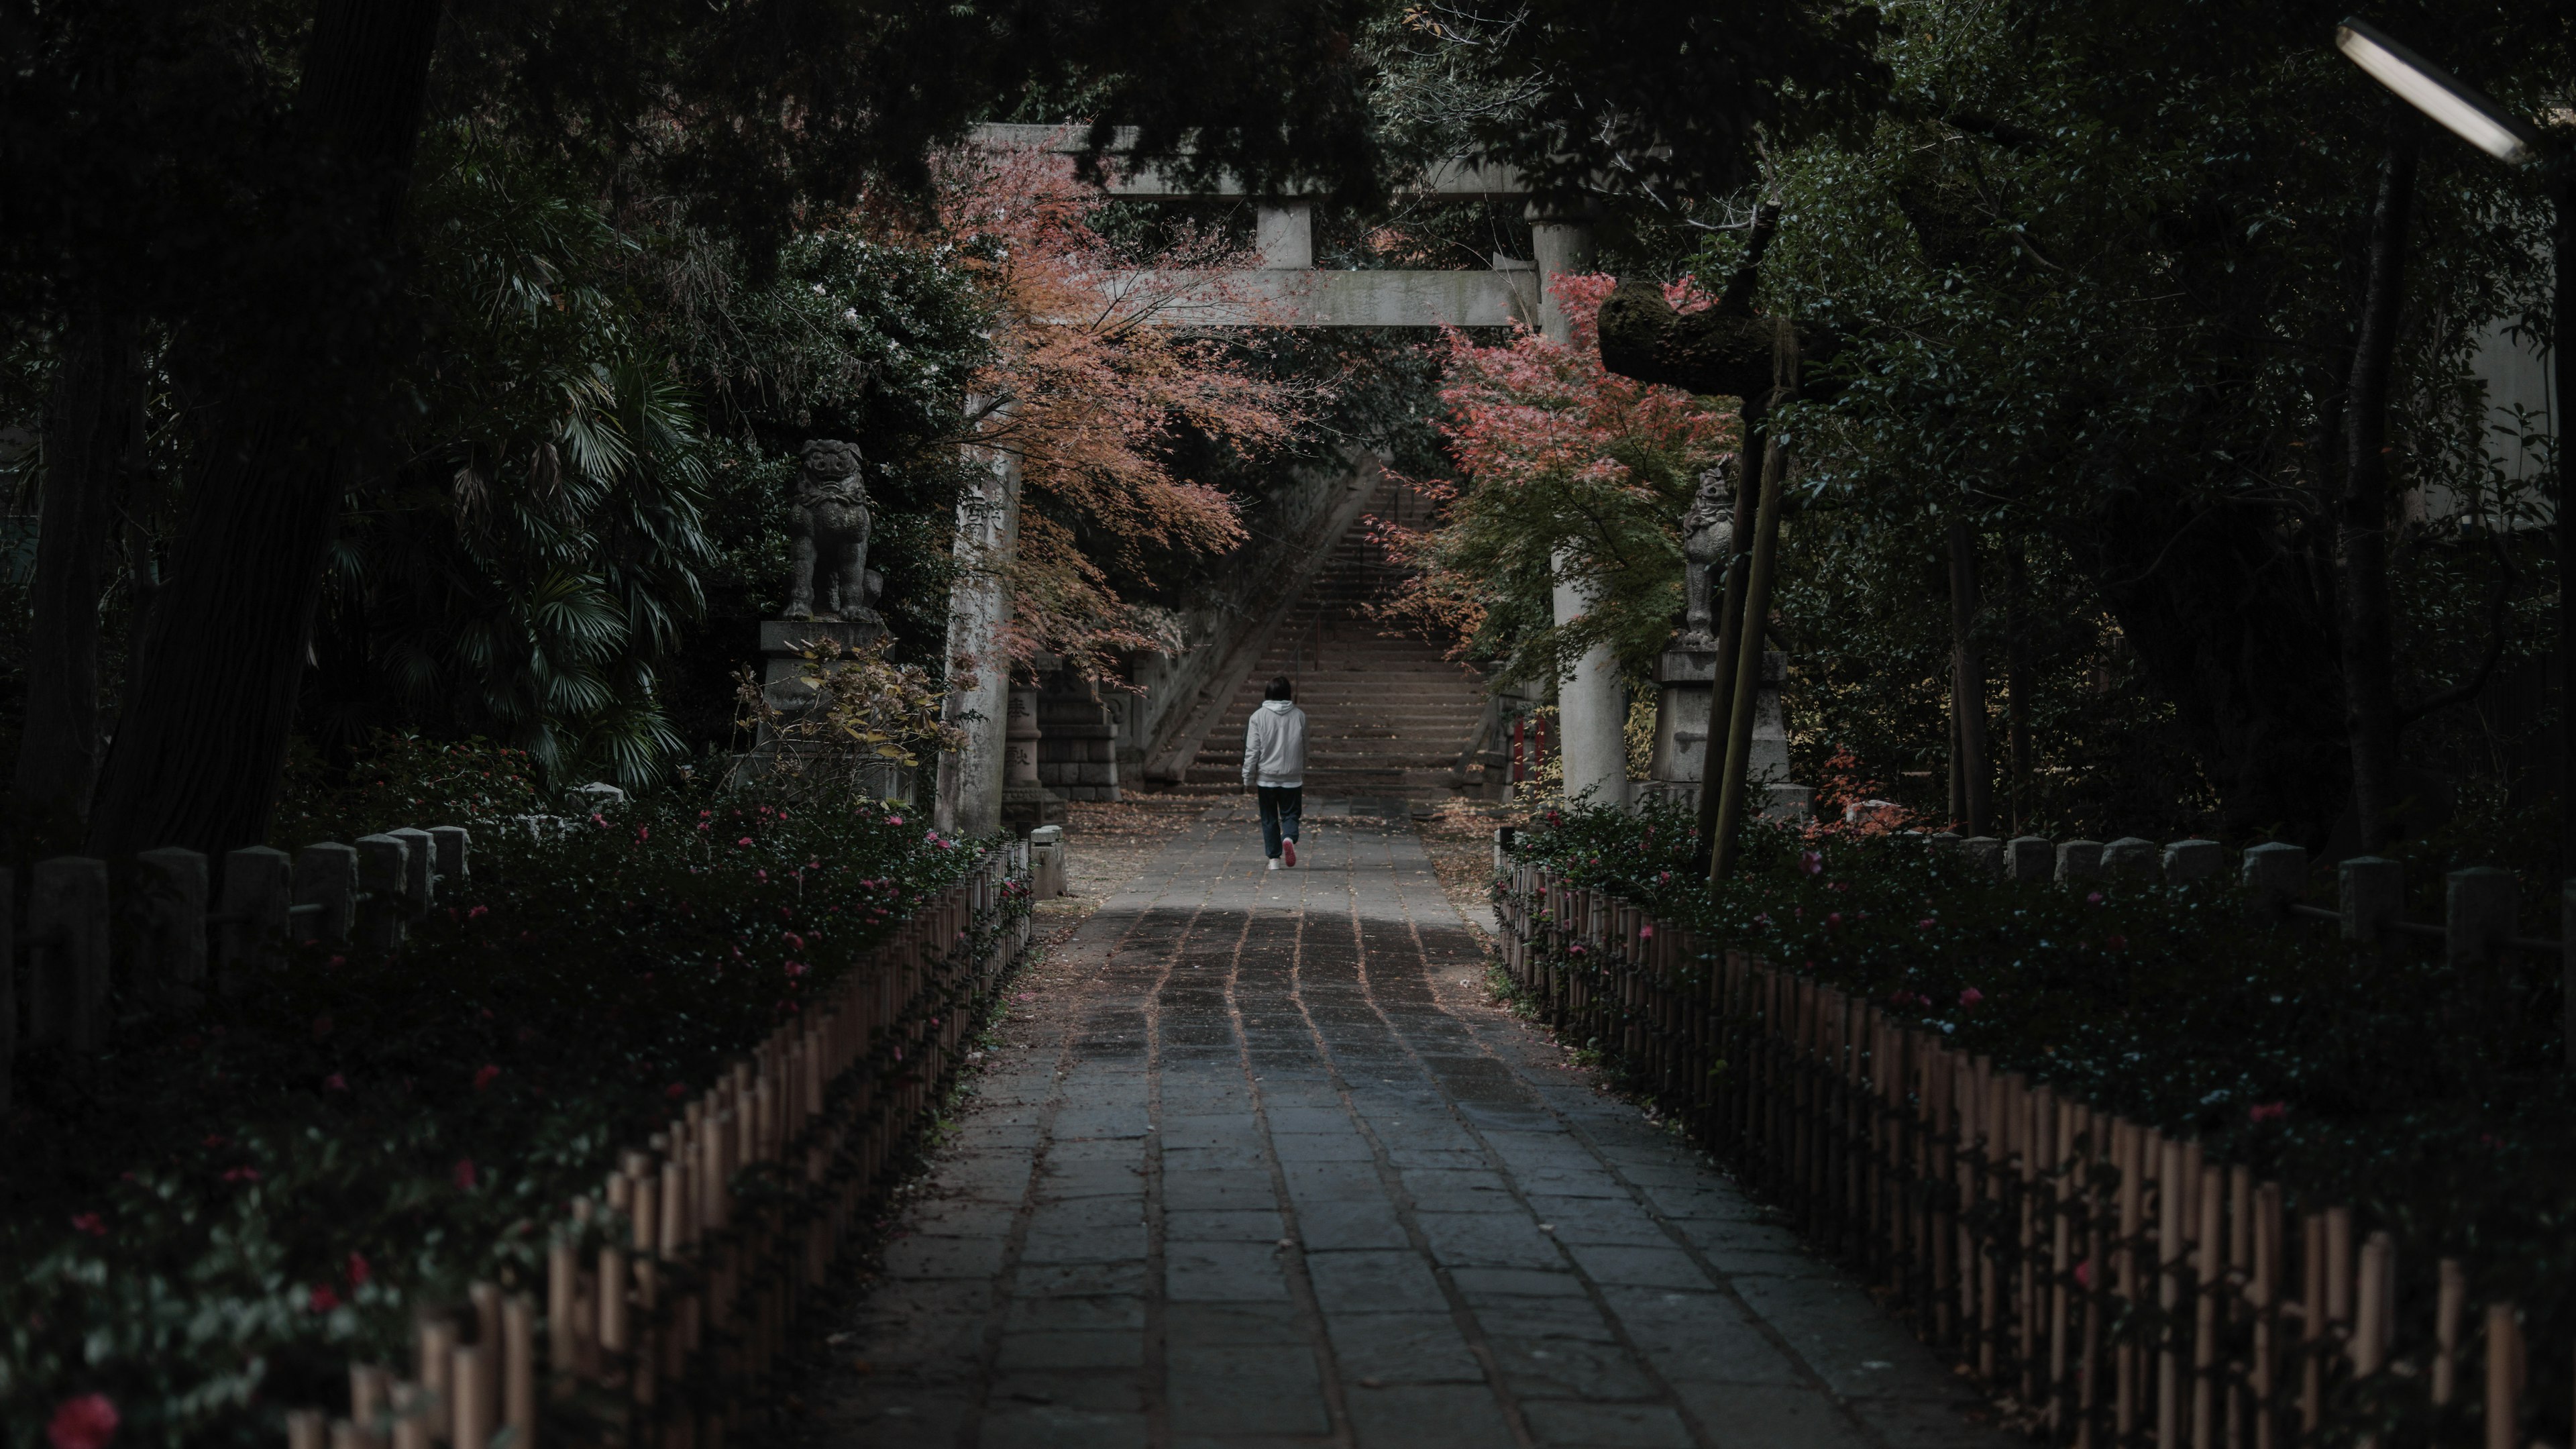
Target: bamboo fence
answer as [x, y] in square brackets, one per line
[2107, 1282]
[669, 1295]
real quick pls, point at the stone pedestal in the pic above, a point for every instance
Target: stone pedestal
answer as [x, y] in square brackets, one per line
[1026, 801]
[1682, 714]
[1077, 740]
[783, 665]
[782, 653]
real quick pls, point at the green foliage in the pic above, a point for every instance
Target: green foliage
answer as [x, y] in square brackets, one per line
[211, 1218]
[539, 551]
[2093, 276]
[399, 780]
[2433, 1099]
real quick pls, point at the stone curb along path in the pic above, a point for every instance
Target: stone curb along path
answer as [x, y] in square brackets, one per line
[1272, 1171]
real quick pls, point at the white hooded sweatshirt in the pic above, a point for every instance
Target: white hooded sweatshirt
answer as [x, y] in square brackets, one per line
[1274, 745]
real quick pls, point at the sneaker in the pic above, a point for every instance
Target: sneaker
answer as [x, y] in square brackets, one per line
[1289, 847]
[1274, 862]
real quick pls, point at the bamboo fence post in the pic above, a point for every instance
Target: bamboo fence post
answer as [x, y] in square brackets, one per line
[304, 1429]
[2504, 1377]
[370, 1397]
[436, 1343]
[2208, 1281]
[2060, 1202]
[2264, 1300]
[411, 1415]
[2312, 1315]
[2237, 1307]
[518, 1373]
[2451, 1302]
[2128, 1157]
[470, 1420]
[2171, 1199]
[2368, 1346]
[2096, 1266]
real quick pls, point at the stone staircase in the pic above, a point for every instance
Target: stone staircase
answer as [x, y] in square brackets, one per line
[1386, 715]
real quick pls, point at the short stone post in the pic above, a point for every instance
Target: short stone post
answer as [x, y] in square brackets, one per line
[454, 867]
[67, 936]
[2129, 858]
[1795, 804]
[1944, 842]
[251, 917]
[2193, 859]
[169, 927]
[2477, 913]
[326, 891]
[1046, 862]
[596, 798]
[384, 865]
[2029, 858]
[2078, 860]
[420, 871]
[2278, 875]
[1984, 854]
[2371, 891]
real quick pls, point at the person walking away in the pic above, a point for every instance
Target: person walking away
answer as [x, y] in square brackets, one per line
[1274, 763]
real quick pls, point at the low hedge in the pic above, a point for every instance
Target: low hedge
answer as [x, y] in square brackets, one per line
[2434, 1100]
[207, 1221]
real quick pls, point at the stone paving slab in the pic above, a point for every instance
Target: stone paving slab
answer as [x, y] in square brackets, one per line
[1266, 1169]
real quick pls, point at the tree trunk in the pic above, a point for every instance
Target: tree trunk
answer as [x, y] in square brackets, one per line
[2361, 514]
[203, 734]
[1976, 761]
[2017, 679]
[93, 434]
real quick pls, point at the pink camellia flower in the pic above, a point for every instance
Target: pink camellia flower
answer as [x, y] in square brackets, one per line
[323, 1299]
[337, 961]
[485, 1076]
[242, 1174]
[1812, 862]
[335, 1083]
[90, 1223]
[1646, 932]
[359, 1271]
[894, 820]
[795, 969]
[88, 1422]
[1971, 996]
[761, 874]
[1923, 925]
[794, 942]
[676, 1091]
[478, 913]
[643, 833]
[464, 1174]
[2267, 1111]
[2093, 898]
[2084, 1274]
[746, 840]
[1833, 920]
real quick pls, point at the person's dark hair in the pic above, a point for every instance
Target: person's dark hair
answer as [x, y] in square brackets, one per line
[1280, 688]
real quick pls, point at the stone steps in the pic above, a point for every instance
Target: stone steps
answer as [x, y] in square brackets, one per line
[1386, 713]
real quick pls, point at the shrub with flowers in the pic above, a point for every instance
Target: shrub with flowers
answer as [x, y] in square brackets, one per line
[2429, 1097]
[207, 1220]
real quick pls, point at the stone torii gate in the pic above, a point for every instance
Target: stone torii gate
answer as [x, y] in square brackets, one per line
[1001, 747]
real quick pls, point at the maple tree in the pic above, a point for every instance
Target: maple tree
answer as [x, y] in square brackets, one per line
[1565, 470]
[1096, 370]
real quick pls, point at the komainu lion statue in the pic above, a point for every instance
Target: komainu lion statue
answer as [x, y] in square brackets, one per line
[828, 537]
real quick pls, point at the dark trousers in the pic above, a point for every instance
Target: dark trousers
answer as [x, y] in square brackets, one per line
[1279, 806]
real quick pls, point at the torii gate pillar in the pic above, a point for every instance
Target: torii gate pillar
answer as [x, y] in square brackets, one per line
[1591, 710]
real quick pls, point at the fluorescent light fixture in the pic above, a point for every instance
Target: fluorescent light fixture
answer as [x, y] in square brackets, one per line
[2437, 93]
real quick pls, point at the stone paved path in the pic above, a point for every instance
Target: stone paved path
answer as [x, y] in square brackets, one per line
[1263, 1168]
